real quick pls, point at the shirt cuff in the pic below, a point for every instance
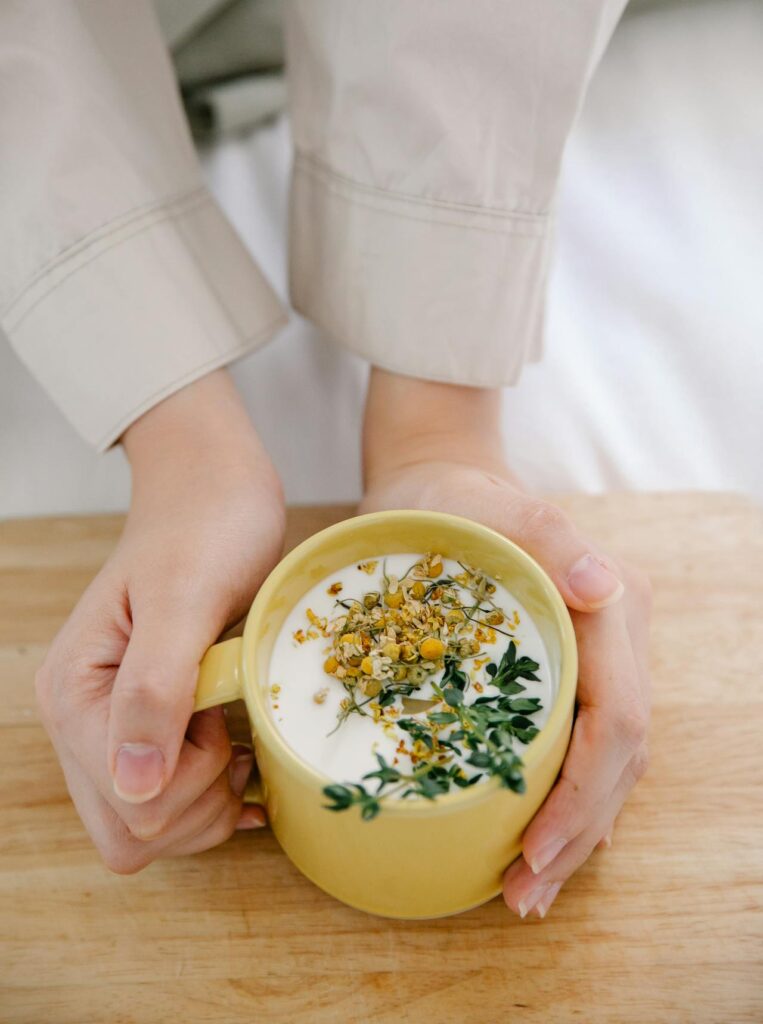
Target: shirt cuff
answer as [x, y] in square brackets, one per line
[139, 309]
[428, 289]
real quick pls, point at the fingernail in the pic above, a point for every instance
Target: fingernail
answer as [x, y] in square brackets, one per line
[528, 902]
[546, 854]
[543, 904]
[593, 583]
[138, 772]
[240, 769]
[251, 817]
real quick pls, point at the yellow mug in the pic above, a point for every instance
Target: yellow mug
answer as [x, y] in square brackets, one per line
[417, 859]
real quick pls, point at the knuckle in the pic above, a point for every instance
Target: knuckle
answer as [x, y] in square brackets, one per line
[222, 812]
[43, 688]
[219, 755]
[220, 801]
[225, 825]
[63, 688]
[147, 825]
[53, 707]
[51, 684]
[539, 519]
[149, 688]
[120, 857]
[632, 724]
[640, 763]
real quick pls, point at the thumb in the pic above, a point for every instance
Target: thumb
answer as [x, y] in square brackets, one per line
[586, 580]
[152, 702]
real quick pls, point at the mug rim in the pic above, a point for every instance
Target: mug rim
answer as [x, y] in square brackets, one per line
[534, 751]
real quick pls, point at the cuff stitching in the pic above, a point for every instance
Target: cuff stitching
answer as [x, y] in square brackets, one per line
[220, 359]
[102, 231]
[338, 181]
[113, 238]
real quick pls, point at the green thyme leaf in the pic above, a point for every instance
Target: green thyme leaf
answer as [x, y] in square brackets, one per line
[525, 704]
[453, 698]
[442, 717]
[369, 809]
[341, 796]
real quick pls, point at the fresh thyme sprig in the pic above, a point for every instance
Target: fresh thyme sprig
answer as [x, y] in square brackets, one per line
[485, 729]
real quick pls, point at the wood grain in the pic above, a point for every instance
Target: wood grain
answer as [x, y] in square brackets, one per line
[665, 927]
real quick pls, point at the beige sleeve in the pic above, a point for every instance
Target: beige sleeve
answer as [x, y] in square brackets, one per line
[429, 136]
[120, 279]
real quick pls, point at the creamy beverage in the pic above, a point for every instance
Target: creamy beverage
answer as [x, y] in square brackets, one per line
[413, 667]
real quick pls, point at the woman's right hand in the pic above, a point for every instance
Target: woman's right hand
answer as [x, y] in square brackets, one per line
[116, 690]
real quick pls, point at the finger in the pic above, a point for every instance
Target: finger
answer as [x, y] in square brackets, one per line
[638, 607]
[217, 832]
[152, 700]
[252, 816]
[524, 890]
[222, 799]
[605, 843]
[213, 817]
[204, 754]
[193, 778]
[121, 851]
[610, 727]
[587, 579]
[248, 816]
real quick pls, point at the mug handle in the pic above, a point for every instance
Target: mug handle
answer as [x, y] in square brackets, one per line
[219, 679]
[220, 682]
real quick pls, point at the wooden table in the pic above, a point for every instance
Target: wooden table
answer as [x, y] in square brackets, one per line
[666, 926]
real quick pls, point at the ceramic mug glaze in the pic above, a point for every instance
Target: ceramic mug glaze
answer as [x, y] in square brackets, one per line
[418, 858]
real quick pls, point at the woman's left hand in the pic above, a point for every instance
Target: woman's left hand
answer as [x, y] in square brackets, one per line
[610, 607]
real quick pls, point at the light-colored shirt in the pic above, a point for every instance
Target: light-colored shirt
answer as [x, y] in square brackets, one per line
[428, 137]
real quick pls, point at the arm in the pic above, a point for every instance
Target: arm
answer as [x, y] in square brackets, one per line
[120, 279]
[116, 690]
[428, 141]
[123, 289]
[438, 446]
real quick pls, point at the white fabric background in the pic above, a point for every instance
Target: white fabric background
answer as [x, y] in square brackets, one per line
[653, 368]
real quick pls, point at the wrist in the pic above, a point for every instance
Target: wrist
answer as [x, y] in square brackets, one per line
[410, 421]
[195, 421]
[200, 438]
